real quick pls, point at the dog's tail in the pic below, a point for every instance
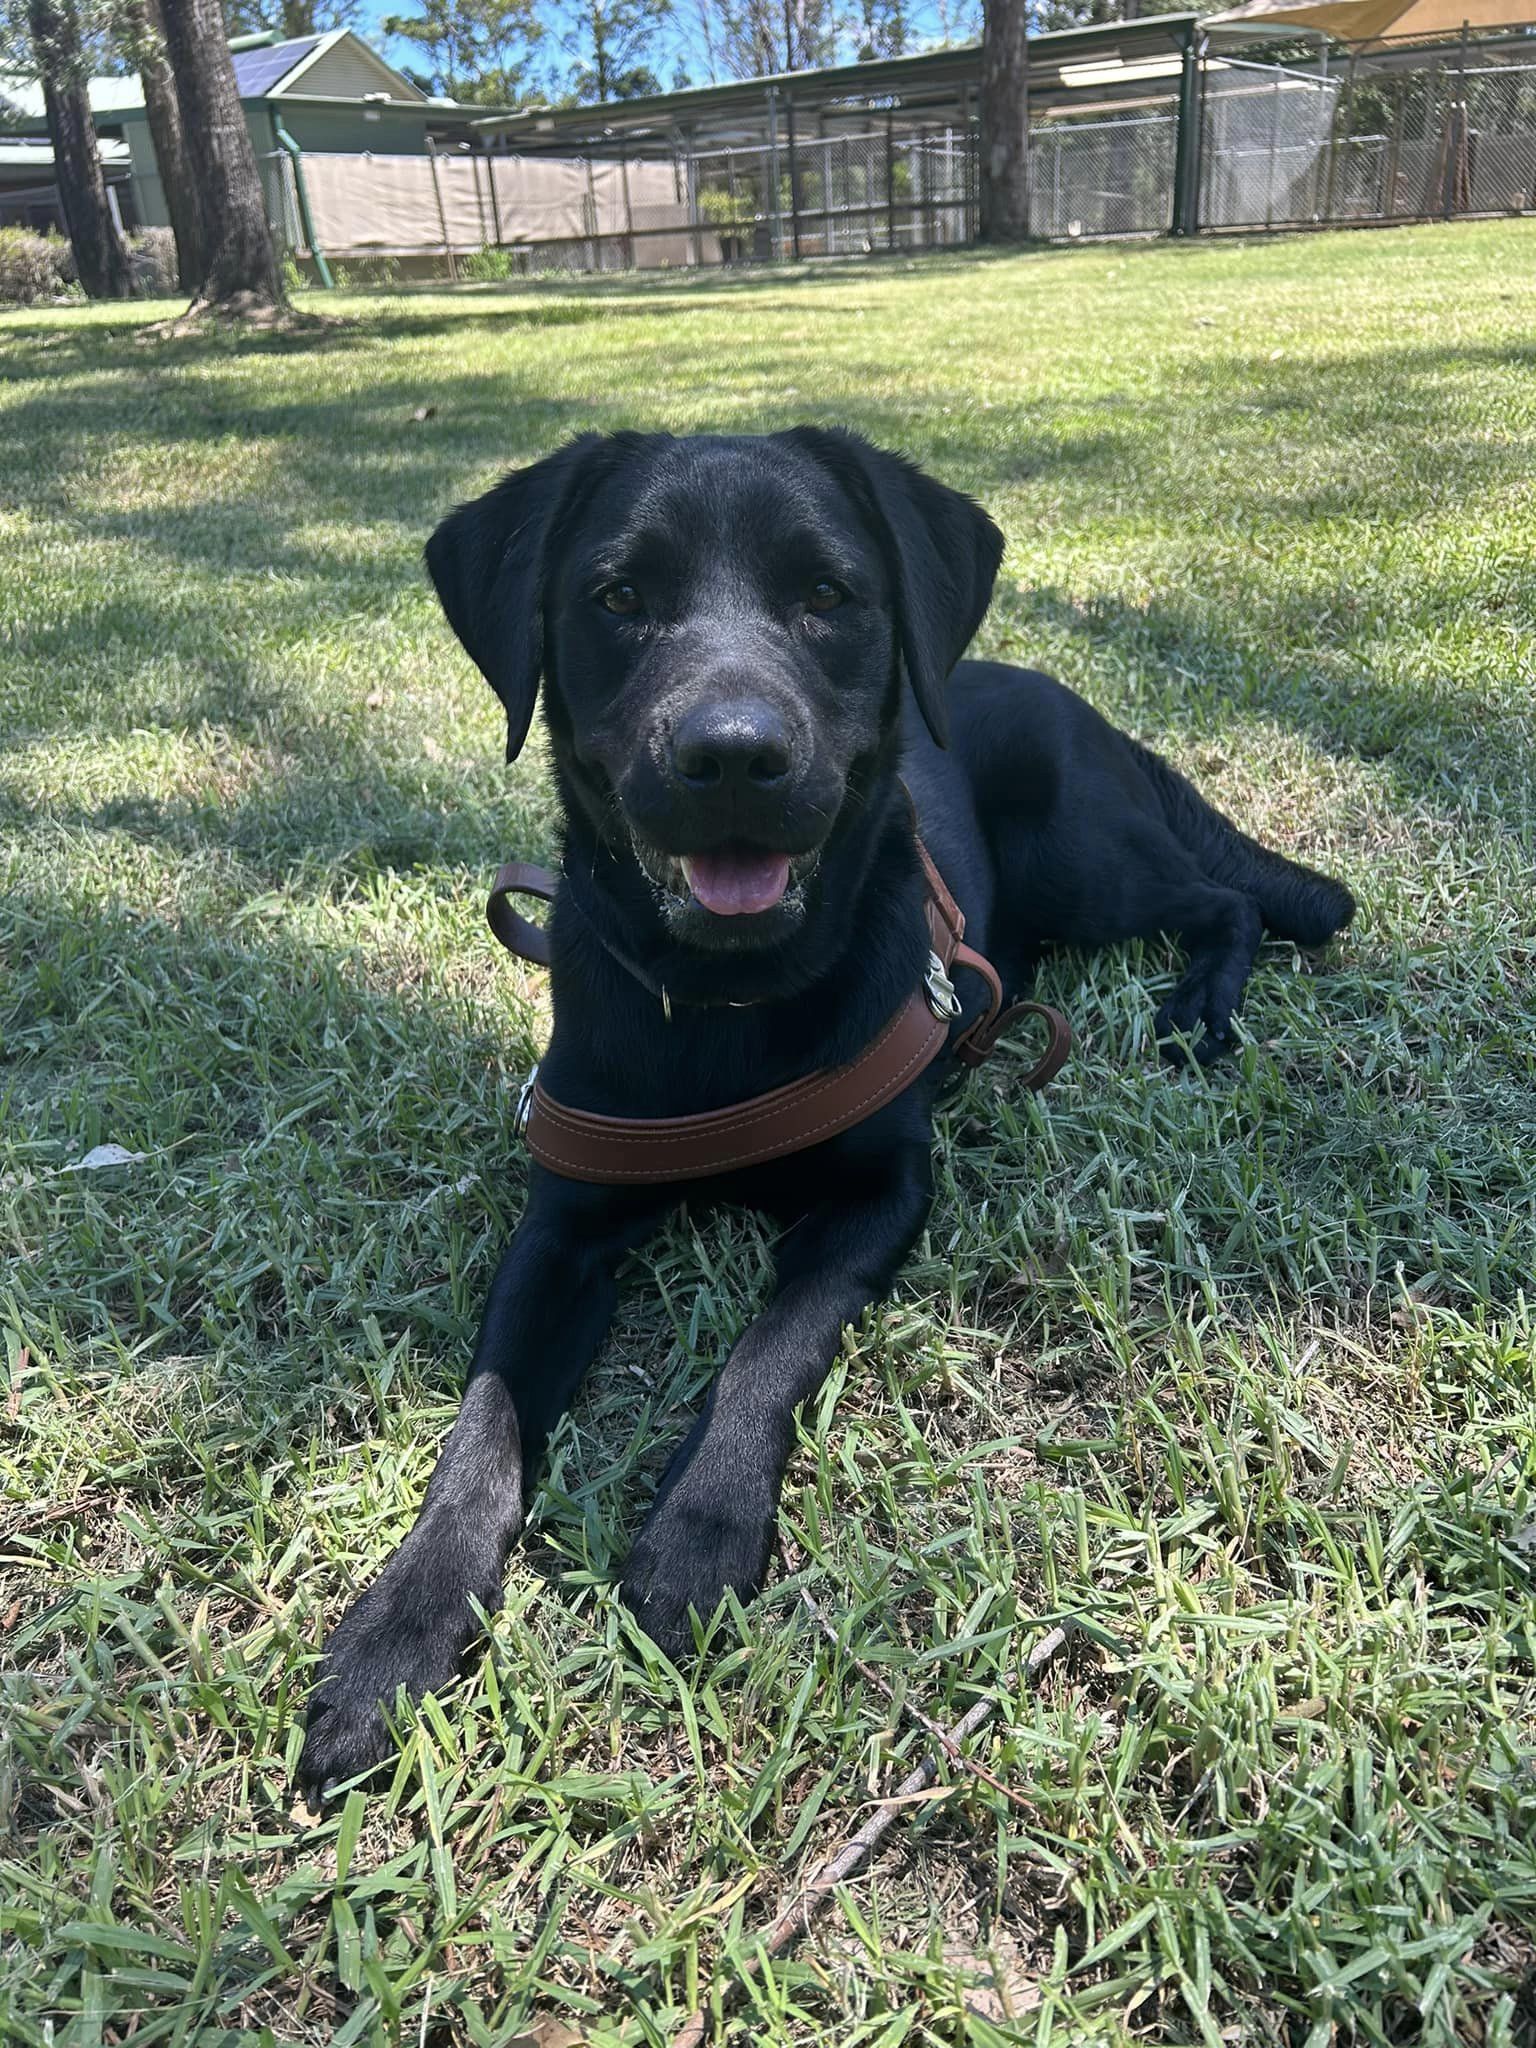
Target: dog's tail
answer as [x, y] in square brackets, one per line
[1296, 902]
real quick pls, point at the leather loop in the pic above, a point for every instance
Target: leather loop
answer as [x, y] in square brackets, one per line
[981, 1040]
[520, 936]
[973, 1044]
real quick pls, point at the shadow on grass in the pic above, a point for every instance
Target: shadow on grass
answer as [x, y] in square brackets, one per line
[330, 526]
[1430, 746]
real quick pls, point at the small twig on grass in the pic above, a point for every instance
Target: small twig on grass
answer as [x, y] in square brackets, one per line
[796, 1917]
[18, 1372]
[906, 1706]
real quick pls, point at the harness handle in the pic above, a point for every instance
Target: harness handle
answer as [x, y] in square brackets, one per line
[517, 933]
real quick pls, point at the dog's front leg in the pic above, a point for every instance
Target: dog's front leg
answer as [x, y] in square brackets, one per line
[712, 1523]
[550, 1305]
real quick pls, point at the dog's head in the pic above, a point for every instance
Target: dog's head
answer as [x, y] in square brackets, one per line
[724, 628]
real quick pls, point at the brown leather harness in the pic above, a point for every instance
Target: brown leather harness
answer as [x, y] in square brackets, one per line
[620, 1150]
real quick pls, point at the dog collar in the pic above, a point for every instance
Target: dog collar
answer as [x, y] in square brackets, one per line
[638, 1151]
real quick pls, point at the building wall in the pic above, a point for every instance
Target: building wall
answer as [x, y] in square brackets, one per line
[347, 129]
[347, 71]
[350, 127]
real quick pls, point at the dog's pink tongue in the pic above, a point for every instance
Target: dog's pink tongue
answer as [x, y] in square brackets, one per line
[735, 883]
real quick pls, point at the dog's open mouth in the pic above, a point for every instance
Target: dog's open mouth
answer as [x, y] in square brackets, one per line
[728, 881]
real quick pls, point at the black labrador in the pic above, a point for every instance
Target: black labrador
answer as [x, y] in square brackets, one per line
[748, 646]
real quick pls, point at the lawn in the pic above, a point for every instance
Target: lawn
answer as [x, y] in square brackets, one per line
[1231, 1374]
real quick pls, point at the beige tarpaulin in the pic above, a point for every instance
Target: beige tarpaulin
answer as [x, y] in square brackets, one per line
[1371, 21]
[395, 206]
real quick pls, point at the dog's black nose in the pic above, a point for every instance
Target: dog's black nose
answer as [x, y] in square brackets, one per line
[739, 741]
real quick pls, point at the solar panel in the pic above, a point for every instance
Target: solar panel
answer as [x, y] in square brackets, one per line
[257, 71]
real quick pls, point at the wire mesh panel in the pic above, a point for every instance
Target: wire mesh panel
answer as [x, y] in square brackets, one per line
[1264, 145]
[1386, 160]
[1498, 174]
[1103, 177]
[733, 195]
[837, 195]
[1394, 140]
[282, 203]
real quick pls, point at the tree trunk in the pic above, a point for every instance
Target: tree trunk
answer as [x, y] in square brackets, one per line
[1004, 110]
[143, 35]
[239, 271]
[100, 257]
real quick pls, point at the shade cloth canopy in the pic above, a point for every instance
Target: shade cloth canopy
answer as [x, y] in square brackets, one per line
[1374, 21]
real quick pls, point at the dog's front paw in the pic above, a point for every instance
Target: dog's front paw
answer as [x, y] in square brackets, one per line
[694, 1546]
[411, 1629]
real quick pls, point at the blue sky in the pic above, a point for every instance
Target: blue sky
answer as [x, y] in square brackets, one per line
[673, 44]
[676, 43]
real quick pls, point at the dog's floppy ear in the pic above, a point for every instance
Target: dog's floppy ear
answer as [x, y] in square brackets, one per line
[942, 554]
[487, 561]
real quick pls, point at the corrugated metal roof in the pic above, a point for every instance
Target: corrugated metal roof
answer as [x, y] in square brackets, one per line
[22, 97]
[935, 72]
[39, 157]
[257, 71]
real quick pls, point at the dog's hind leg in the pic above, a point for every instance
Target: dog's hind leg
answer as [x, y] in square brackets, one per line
[1223, 930]
[1102, 878]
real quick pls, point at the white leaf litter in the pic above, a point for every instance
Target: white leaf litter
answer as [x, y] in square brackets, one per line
[104, 1155]
[457, 1187]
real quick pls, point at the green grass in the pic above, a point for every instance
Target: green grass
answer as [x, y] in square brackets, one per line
[1237, 1371]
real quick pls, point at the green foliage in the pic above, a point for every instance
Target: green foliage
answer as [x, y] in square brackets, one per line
[611, 45]
[1237, 1371]
[719, 207]
[152, 256]
[883, 29]
[33, 266]
[289, 18]
[480, 51]
[752, 38]
[489, 266]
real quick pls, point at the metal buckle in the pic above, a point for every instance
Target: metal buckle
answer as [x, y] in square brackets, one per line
[942, 999]
[524, 1105]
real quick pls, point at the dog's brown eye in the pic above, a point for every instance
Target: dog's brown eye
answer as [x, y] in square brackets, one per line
[826, 595]
[622, 598]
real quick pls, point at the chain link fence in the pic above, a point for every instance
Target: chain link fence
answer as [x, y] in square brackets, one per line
[1410, 135]
[838, 195]
[1107, 177]
[1264, 145]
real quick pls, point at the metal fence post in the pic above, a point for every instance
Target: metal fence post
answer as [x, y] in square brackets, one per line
[687, 140]
[1186, 160]
[890, 179]
[474, 172]
[1456, 128]
[1274, 144]
[776, 216]
[1339, 130]
[490, 179]
[1394, 152]
[794, 175]
[629, 211]
[968, 225]
[594, 249]
[442, 217]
